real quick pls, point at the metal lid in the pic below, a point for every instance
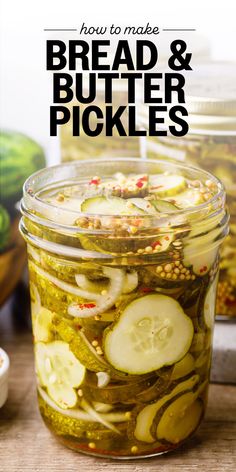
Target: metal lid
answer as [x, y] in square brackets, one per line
[210, 93]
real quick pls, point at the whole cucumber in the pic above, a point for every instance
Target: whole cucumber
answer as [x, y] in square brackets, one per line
[20, 157]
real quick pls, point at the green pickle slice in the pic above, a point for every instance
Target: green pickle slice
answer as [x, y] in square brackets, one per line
[59, 371]
[167, 185]
[109, 206]
[180, 418]
[146, 416]
[148, 331]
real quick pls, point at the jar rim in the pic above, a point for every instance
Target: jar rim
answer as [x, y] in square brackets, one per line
[30, 201]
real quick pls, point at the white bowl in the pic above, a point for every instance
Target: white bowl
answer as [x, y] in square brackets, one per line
[4, 370]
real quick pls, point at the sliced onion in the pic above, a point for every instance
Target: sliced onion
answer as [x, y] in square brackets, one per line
[75, 413]
[130, 283]
[86, 284]
[102, 407]
[74, 290]
[97, 417]
[103, 379]
[89, 414]
[105, 302]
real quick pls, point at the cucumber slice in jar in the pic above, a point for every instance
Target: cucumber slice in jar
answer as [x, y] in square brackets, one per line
[188, 198]
[201, 260]
[146, 416]
[109, 206]
[209, 304]
[59, 372]
[42, 325]
[183, 367]
[152, 332]
[79, 345]
[163, 206]
[180, 419]
[166, 185]
[142, 204]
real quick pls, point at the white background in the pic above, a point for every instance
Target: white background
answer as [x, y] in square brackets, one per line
[25, 86]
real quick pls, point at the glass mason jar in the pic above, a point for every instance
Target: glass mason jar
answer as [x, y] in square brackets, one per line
[211, 145]
[122, 302]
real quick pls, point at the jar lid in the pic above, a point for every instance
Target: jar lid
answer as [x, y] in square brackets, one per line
[210, 93]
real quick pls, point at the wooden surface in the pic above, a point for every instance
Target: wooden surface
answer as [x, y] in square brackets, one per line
[27, 446]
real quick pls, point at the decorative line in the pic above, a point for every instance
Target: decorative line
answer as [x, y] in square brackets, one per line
[179, 29]
[60, 29]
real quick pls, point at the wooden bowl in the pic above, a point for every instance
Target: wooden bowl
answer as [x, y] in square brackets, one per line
[12, 262]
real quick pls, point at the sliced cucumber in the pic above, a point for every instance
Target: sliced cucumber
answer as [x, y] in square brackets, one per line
[189, 198]
[59, 371]
[162, 206]
[198, 256]
[35, 300]
[109, 206]
[180, 418]
[204, 227]
[167, 185]
[42, 325]
[146, 416]
[79, 345]
[117, 393]
[144, 205]
[183, 367]
[146, 336]
[209, 304]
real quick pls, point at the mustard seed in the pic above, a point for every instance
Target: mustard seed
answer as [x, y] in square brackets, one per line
[134, 449]
[92, 445]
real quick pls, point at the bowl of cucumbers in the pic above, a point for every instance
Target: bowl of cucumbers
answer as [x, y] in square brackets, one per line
[20, 156]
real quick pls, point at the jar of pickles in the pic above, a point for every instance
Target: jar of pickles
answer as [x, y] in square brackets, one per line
[123, 262]
[211, 144]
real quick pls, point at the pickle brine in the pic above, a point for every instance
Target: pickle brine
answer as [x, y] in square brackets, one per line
[123, 273]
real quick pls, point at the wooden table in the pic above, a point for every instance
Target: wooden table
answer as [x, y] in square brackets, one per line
[27, 446]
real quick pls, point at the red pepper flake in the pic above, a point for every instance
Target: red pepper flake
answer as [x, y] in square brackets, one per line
[139, 184]
[167, 238]
[155, 244]
[157, 186]
[95, 181]
[203, 269]
[144, 178]
[86, 305]
[145, 289]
